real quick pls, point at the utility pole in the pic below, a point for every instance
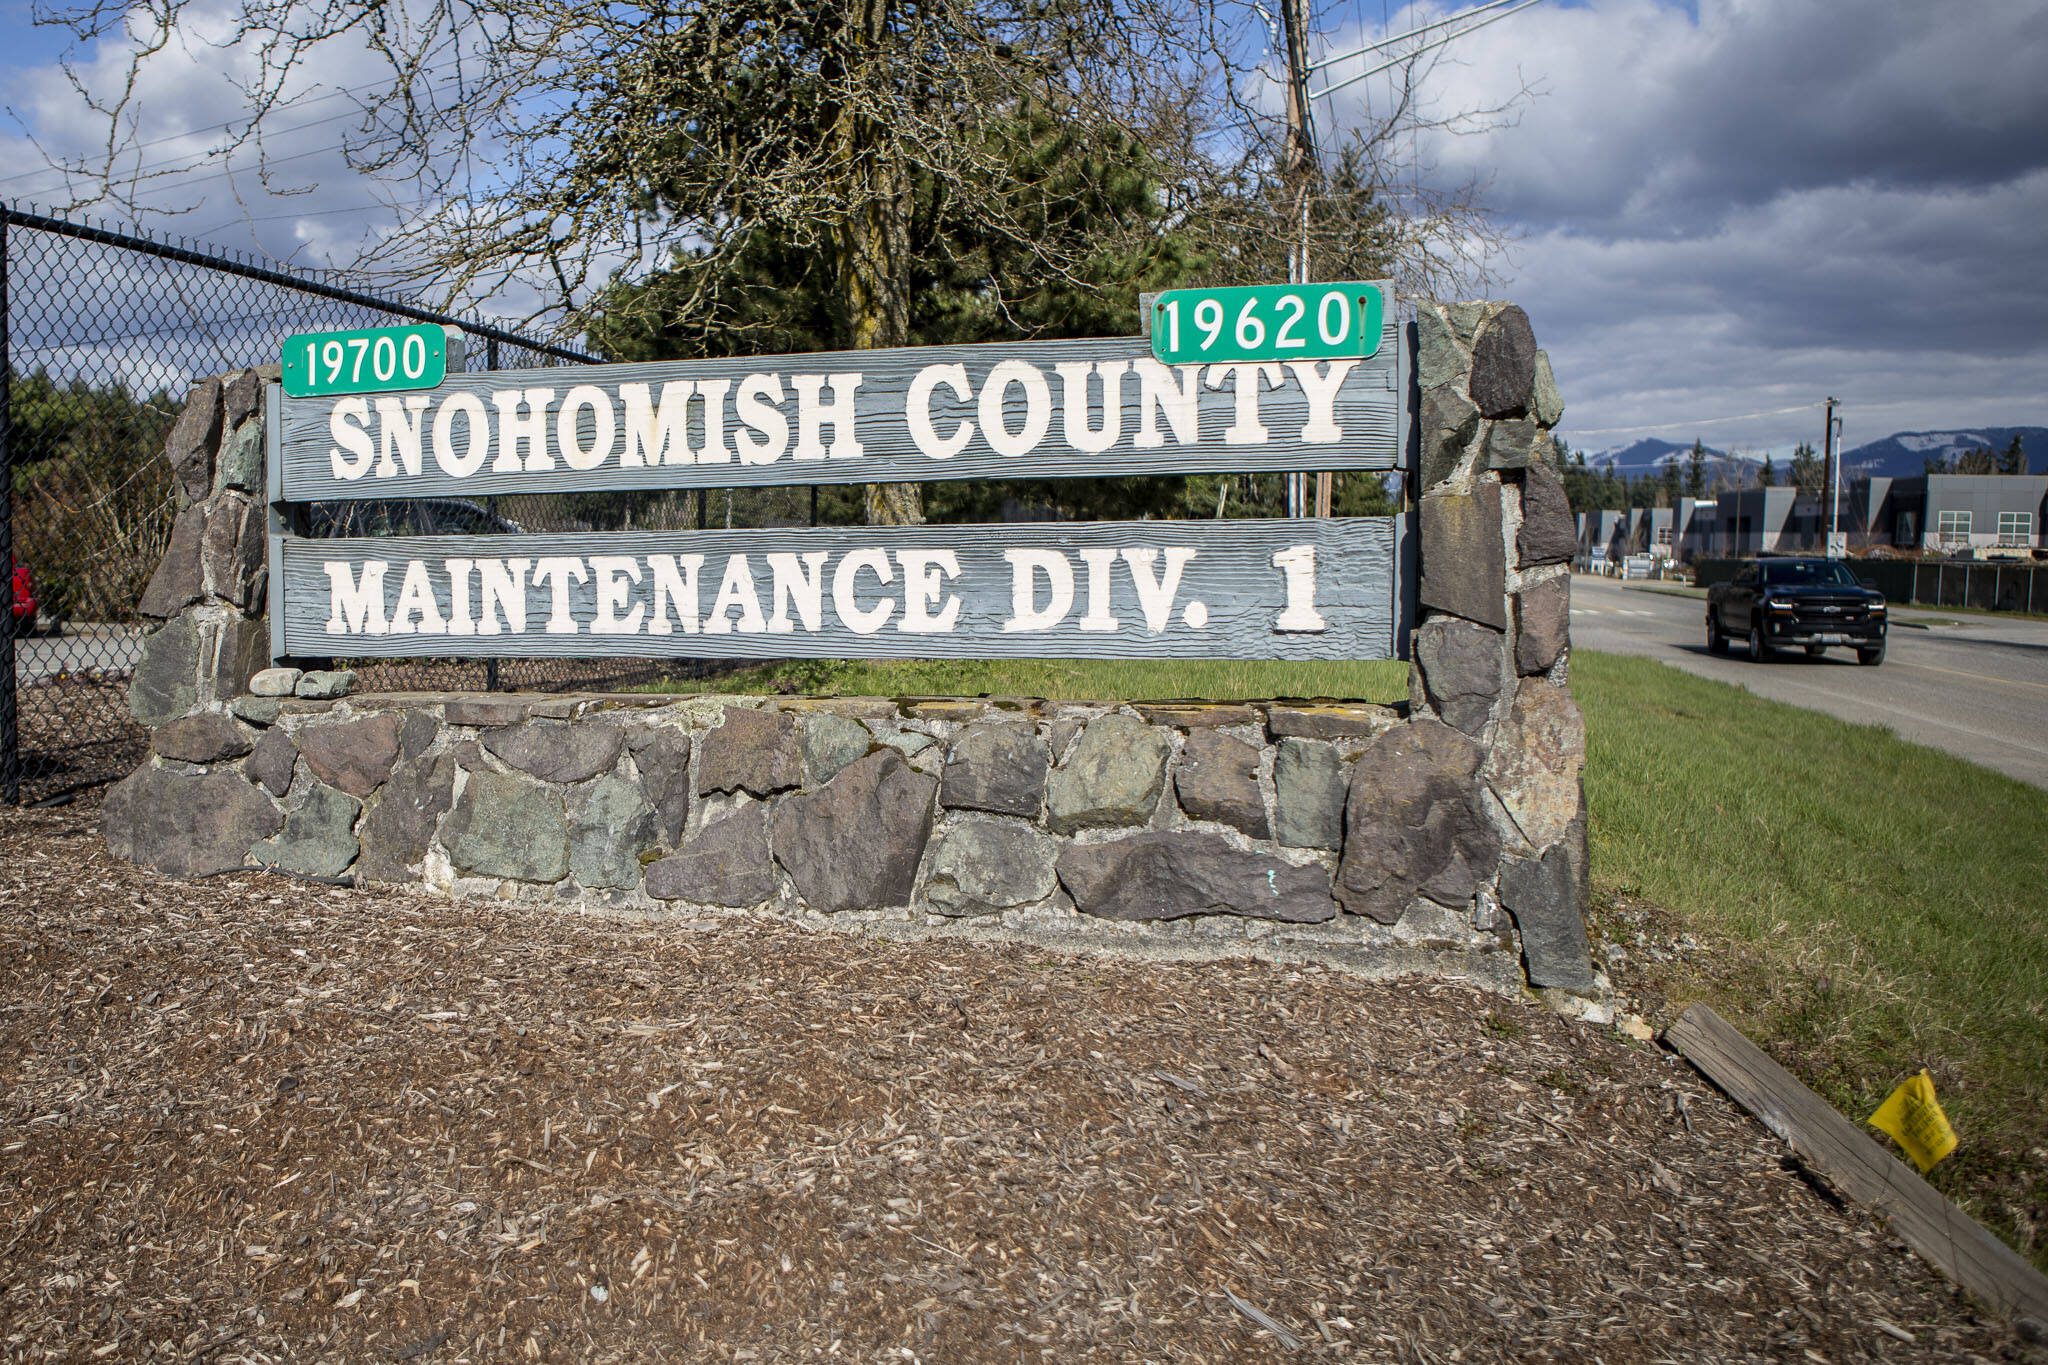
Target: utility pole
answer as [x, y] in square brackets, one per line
[1297, 170]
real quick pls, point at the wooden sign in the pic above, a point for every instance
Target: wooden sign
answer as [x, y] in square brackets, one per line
[1059, 409]
[1324, 589]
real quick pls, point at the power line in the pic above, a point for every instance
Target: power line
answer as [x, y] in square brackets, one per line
[1429, 46]
[1697, 422]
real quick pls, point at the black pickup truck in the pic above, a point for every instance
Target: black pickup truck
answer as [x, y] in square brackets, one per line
[1775, 604]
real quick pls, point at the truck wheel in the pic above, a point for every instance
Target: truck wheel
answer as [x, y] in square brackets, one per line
[1717, 643]
[1759, 652]
[1871, 658]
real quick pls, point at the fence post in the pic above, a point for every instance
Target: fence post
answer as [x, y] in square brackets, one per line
[491, 505]
[10, 716]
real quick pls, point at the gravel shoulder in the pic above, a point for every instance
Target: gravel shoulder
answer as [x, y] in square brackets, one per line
[252, 1119]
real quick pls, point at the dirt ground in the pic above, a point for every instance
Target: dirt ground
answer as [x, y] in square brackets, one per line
[252, 1119]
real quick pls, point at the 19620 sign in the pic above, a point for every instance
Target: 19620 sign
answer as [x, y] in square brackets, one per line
[1268, 322]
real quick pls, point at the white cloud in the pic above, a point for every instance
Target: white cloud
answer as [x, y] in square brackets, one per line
[1769, 202]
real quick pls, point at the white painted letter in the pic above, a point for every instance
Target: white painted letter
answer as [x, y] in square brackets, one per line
[556, 571]
[1244, 429]
[921, 584]
[345, 425]
[531, 430]
[355, 607]
[1059, 576]
[1037, 408]
[476, 449]
[1074, 390]
[656, 435]
[675, 581]
[1319, 385]
[459, 620]
[416, 599]
[812, 414]
[755, 406]
[1298, 562]
[604, 427]
[502, 586]
[1173, 393]
[1155, 594]
[398, 423]
[799, 583]
[736, 590]
[613, 573]
[1100, 560]
[861, 620]
[917, 411]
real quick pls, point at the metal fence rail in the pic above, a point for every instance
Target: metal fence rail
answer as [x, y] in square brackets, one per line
[101, 332]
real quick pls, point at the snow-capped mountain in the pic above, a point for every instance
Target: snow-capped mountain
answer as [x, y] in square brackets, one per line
[1906, 453]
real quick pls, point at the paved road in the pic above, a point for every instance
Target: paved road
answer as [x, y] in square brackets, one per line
[1977, 688]
[80, 649]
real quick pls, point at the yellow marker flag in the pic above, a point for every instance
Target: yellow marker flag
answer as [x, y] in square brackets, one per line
[1914, 1119]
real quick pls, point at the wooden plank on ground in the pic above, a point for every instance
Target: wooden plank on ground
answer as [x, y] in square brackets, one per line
[1858, 1168]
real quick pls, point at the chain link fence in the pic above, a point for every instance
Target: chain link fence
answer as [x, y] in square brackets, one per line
[103, 333]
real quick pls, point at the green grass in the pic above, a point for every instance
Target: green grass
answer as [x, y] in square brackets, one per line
[1072, 679]
[1864, 906]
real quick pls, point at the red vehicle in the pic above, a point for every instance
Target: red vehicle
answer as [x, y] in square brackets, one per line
[23, 601]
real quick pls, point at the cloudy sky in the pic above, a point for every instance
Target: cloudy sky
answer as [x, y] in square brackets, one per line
[1721, 208]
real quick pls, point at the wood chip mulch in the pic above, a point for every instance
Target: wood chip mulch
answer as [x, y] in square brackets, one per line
[251, 1119]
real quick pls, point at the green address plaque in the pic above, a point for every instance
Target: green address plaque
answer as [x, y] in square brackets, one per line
[1267, 322]
[369, 360]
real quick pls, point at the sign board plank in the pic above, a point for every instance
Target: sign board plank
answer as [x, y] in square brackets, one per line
[1300, 589]
[1032, 410]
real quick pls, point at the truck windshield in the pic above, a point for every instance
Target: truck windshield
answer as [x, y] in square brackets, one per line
[1793, 573]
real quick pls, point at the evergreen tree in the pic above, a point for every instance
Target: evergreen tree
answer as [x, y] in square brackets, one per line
[1808, 469]
[1766, 474]
[1696, 470]
[1977, 460]
[1669, 485]
[2014, 460]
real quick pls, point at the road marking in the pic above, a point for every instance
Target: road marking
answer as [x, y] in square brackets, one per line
[1980, 677]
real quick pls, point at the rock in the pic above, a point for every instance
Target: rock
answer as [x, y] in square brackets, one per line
[241, 397]
[1183, 715]
[194, 437]
[354, 755]
[318, 838]
[909, 743]
[855, 843]
[557, 751]
[1514, 444]
[235, 649]
[1218, 779]
[165, 683]
[271, 762]
[484, 711]
[725, 863]
[1548, 534]
[610, 826]
[1170, 874]
[1329, 720]
[1546, 405]
[1543, 895]
[203, 737]
[274, 682]
[1413, 824]
[241, 460]
[1308, 794]
[1113, 776]
[1439, 360]
[416, 733]
[1464, 562]
[662, 754]
[231, 552]
[829, 743]
[1504, 364]
[326, 684]
[1465, 319]
[997, 766]
[507, 826]
[186, 825]
[399, 829]
[1543, 622]
[1449, 422]
[1538, 753]
[176, 583]
[983, 867]
[257, 710]
[751, 751]
[1461, 666]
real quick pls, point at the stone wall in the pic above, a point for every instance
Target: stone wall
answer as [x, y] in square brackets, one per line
[1446, 835]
